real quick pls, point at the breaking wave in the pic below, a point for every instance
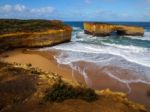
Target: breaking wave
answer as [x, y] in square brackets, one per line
[145, 37]
[130, 53]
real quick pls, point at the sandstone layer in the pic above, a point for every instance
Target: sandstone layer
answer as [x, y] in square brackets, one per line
[25, 88]
[32, 33]
[105, 29]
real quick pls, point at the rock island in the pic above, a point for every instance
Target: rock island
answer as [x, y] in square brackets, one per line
[106, 29]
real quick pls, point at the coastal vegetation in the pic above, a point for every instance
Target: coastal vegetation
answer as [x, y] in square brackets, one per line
[24, 89]
[32, 33]
[14, 25]
[61, 91]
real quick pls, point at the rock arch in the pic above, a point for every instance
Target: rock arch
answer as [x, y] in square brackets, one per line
[104, 29]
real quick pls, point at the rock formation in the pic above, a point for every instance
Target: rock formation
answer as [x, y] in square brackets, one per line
[104, 29]
[32, 33]
[24, 88]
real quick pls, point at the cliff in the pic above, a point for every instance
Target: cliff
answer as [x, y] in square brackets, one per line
[104, 29]
[27, 89]
[32, 33]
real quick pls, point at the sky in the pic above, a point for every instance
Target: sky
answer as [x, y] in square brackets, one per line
[77, 10]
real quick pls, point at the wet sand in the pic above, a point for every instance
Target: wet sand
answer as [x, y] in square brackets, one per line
[96, 77]
[44, 61]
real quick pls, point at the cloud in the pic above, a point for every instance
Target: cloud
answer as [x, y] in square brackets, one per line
[19, 11]
[12, 8]
[19, 8]
[6, 8]
[43, 10]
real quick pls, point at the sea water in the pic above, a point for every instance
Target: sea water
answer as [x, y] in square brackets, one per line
[127, 52]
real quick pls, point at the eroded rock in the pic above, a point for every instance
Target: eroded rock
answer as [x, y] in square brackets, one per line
[104, 29]
[32, 33]
[24, 88]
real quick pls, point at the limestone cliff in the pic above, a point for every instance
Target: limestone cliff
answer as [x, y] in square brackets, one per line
[104, 29]
[32, 33]
[27, 89]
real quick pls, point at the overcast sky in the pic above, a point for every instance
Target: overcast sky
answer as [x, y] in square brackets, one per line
[77, 10]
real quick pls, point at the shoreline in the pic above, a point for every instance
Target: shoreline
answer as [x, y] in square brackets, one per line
[45, 61]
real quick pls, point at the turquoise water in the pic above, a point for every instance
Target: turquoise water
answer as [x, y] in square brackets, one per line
[135, 49]
[135, 41]
[126, 60]
[130, 53]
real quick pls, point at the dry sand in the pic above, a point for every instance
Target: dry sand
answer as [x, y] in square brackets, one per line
[97, 78]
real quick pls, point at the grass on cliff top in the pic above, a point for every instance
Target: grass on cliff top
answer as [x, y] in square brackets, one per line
[61, 91]
[37, 25]
[21, 85]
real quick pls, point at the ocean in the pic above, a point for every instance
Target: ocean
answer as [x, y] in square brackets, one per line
[120, 63]
[123, 53]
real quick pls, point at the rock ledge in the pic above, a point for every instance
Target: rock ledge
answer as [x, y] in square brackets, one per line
[32, 33]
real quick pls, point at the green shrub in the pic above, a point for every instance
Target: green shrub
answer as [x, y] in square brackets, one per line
[35, 71]
[61, 91]
[15, 25]
[29, 65]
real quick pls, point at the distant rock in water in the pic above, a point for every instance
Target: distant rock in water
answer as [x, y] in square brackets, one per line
[105, 29]
[32, 33]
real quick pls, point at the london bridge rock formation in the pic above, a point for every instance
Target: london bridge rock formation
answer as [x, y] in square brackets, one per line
[105, 29]
[32, 33]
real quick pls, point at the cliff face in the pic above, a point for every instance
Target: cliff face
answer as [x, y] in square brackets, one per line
[32, 33]
[27, 89]
[102, 29]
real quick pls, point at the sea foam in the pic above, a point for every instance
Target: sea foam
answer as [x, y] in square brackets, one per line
[102, 52]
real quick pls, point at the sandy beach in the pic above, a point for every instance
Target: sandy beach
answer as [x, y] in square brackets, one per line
[96, 76]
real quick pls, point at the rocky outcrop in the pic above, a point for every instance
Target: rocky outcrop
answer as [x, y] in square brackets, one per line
[27, 89]
[104, 29]
[32, 33]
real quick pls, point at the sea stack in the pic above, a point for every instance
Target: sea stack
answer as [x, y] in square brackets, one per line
[106, 29]
[32, 33]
